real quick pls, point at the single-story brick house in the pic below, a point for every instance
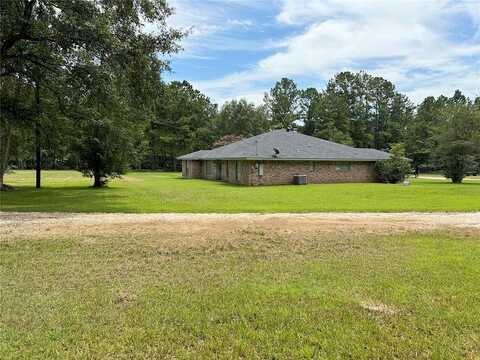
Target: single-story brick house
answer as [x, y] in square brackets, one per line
[275, 157]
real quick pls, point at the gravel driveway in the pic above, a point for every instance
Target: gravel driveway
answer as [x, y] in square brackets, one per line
[43, 225]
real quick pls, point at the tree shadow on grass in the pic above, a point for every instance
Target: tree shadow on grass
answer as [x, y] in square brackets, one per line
[211, 182]
[47, 189]
[65, 199]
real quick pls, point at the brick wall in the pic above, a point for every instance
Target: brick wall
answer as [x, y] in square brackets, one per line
[281, 172]
[278, 172]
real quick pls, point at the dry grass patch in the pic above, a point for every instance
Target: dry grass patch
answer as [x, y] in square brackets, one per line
[379, 308]
[222, 289]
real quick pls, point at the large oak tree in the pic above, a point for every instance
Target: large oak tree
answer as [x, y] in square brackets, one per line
[48, 44]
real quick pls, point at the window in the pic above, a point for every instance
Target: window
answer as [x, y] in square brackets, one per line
[226, 168]
[315, 166]
[259, 168]
[343, 166]
[237, 175]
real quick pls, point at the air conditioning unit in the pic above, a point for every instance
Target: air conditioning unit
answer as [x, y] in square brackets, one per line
[300, 179]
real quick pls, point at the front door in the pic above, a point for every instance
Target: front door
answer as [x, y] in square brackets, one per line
[219, 170]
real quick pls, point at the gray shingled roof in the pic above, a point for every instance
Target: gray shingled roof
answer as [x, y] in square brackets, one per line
[291, 145]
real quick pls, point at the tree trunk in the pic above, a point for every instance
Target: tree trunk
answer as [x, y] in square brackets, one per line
[96, 181]
[4, 152]
[38, 160]
[38, 152]
[99, 180]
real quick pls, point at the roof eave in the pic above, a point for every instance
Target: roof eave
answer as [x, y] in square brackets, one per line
[312, 159]
[283, 159]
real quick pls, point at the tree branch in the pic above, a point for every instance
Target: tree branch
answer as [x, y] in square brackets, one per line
[24, 30]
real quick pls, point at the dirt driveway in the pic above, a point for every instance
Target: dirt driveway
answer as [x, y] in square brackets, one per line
[48, 225]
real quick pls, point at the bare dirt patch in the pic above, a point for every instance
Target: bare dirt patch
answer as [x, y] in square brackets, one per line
[379, 308]
[185, 227]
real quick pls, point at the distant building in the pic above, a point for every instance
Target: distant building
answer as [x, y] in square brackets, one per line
[278, 156]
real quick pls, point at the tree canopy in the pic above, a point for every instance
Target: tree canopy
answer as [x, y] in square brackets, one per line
[95, 52]
[82, 87]
[282, 103]
[458, 139]
[241, 118]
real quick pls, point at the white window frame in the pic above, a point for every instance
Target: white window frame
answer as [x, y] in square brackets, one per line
[259, 168]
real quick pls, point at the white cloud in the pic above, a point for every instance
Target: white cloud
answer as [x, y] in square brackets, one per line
[412, 43]
[412, 11]
[242, 23]
[209, 22]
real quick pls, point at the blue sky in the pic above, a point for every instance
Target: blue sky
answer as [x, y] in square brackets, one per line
[240, 48]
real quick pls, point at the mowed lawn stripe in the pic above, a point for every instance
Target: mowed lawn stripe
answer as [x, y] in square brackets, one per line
[144, 192]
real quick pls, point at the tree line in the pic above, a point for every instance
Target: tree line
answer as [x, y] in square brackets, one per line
[82, 88]
[361, 110]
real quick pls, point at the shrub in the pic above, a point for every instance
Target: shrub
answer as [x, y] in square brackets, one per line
[458, 149]
[396, 168]
[457, 160]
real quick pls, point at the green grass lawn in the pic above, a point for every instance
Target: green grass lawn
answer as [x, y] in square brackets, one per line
[252, 296]
[167, 192]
